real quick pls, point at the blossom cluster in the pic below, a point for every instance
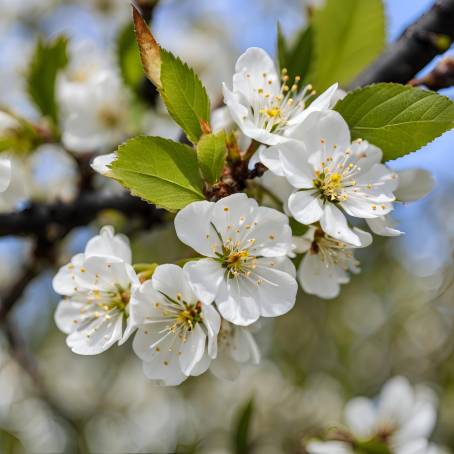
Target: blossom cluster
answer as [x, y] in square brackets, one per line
[186, 320]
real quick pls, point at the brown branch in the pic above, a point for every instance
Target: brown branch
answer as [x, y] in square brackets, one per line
[429, 36]
[49, 220]
[442, 76]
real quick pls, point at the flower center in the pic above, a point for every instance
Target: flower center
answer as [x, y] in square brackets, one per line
[190, 316]
[109, 118]
[329, 185]
[273, 112]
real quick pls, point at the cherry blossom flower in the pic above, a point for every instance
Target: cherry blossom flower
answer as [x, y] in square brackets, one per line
[334, 176]
[96, 286]
[403, 418]
[236, 346]
[327, 262]
[177, 327]
[265, 105]
[92, 100]
[246, 269]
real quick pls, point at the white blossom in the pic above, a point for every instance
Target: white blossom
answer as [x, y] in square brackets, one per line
[265, 105]
[246, 269]
[402, 416]
[53, 174]
[236, 346]
[96, 286]
[413, 184]
[334, 176]
[177, 326]
[5, 173]
[92, 99]
[327, 261]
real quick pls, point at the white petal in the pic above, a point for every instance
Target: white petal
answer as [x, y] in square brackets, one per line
[212, 322]
[414, 184]
[192, 225]
[396, 400]
[318, 278]
[323, 131]
[305, 206]
[270, 157]
[333, 222]
[365, 238]
[63, 282]
[224, 367]
[192, 349]
[101, 164]
[164, 369]
[110, 245]
[384, 225]
[237, 301]
[322, 102]
[172, 281]
[5, 173]
[360, 416]
[202, 366]
[90, 342]
[294, 157]
[278, 186]
[249, 74]
[276, 292]
[142, 304]
[418, 446]
[328, 447]
[205, 276]
[270, 233]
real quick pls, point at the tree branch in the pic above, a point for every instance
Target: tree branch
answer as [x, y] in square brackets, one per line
[430, 35]
[50, 219]
[442, 76]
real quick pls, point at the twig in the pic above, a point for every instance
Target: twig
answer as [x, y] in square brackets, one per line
[50, 219]
[442, 76]
[430, 35]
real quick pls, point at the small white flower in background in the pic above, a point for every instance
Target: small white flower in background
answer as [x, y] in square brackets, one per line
[217, 47]
[247, 271]
[413, 184]
[403, 417]
[96, 286]
[92, 99]
[327, 262]
[17, 189]
[332, 175]
[265, 105]
[102, 162]
[5, 173]
[236, 346]
[54, 174]
[177, 327]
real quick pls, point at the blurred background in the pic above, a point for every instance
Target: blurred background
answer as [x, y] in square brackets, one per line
[396, 317]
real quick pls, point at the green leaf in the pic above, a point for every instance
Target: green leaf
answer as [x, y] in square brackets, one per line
[160, 171]
[184, 95]
[47, 60]
[397, 118]
[348, 36]
[129, 57]
[241, 441]
[211, 153]
[298, 57]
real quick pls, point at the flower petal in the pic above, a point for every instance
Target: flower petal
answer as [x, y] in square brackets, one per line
[192, 225]
[384, 225]
[360, 416]
[333, 222]
[5, 173]
[305, 206]
[192, 349]
[414, 184]
[205, 276]
[110, 245]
